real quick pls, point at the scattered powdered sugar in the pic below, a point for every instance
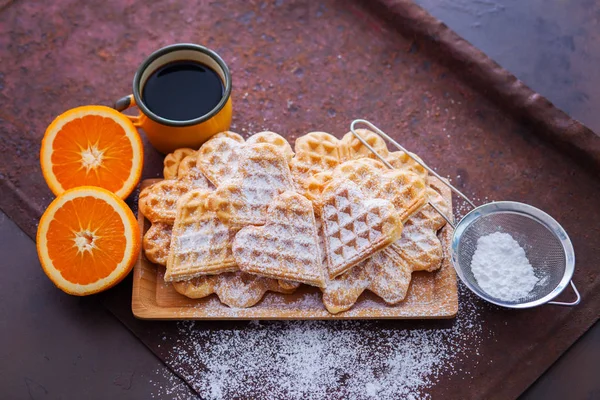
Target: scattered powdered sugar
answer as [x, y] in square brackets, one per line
[320, 360]
[501, 267]
[170, 386]
[462, 208]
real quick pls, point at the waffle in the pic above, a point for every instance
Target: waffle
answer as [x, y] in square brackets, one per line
[172, 161]
[235, 289]
[158, 202]
[274, 139]
[419, 246]
[200, 243]
[229, 134]
[357, 243]
[355, 227]
[429, 216]
[385, 274]
[354, 148]
[157, 242]
[400, 160]
[189, 172]
[288, 285]
[314, 185]
[286, 247]
[218, 158]
[388, 273]
[315, 152]
[262, 174]
[404, 189]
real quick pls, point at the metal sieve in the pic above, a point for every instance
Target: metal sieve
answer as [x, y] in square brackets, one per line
[546, 244]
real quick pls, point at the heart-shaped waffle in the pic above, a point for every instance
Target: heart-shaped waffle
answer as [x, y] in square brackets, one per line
[400, 160]
[274, 139]
[158, 202]
[235, 289]
[287, 247]
[354, 148]
[189, 172]
[261, 175]
[315, 152]
[385, 274]
[200, 242]
[314, 185]
[388, 275]
[355, 226]
[228, 134]
[419, 246]
[218, 158]
[172, 161]
[406, 190]
[157, 242]
[427, 214]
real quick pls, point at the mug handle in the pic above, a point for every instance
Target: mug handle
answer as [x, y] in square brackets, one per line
[123, 104]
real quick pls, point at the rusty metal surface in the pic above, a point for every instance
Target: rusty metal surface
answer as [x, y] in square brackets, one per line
[299, 66]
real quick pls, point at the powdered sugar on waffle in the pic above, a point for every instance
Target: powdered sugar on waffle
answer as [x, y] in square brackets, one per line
[287, 247]
[321, 360]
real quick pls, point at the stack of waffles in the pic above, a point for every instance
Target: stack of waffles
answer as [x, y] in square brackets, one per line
[241, 217]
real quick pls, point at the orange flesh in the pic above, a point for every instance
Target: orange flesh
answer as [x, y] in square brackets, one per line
[100, 231]
[84, 139]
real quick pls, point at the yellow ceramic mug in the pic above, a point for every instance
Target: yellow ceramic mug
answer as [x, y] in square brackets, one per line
[165, 134]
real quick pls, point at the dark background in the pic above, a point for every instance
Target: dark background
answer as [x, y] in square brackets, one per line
[551, 45]
[55, 346]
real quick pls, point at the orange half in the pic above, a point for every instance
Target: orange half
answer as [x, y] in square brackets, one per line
[87, 240]
[92, 146]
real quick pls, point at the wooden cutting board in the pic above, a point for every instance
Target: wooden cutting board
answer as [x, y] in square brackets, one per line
[432, 295]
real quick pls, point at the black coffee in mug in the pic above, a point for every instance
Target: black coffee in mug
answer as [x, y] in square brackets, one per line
[183, 90]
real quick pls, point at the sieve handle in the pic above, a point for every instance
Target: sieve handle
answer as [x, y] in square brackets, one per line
[574, 303]
[385, 136]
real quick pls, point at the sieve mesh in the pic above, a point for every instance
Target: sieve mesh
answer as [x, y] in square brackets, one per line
[543, 248]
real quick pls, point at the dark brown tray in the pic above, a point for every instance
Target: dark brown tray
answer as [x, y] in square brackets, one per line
[300, 66]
